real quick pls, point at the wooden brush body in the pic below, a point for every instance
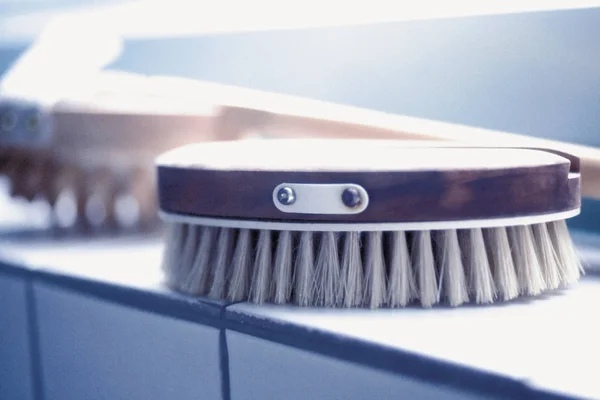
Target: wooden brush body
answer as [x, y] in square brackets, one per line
[346, 223]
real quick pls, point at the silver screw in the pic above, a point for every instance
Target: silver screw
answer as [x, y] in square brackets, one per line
[351, 198]
[286, 196]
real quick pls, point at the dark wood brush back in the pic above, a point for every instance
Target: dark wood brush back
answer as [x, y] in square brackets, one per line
[405, 182]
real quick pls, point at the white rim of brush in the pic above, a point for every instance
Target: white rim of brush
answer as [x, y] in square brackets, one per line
[367, 227]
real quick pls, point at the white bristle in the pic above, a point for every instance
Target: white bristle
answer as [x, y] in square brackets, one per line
[565, 250]
[546, 256]
[260, 288]
[501, 262]
[282, 270]
[222, 263]
[303, 278]
[481, 282]
[198, 277]
[375, 279]
[352, 270]
[328, 288]
[424, 265]
[239, 283]
[529, 274]
[402, 287]
[171, 259]
[372, 269]
[452, 273]
[189, 250]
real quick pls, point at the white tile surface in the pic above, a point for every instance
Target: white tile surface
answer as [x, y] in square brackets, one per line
[92, 349]
[260, 369]
[15, 363]
[131, 261]
[551, 342]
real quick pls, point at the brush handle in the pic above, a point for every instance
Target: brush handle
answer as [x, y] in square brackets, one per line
[95, 137]
[130, 119]
[346, 122]
[394, 183]
[240, 112]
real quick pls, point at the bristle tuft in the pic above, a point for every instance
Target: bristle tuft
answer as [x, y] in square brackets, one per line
[424, 265]
[352, 270]
[222, 263]
[546, 256]
[304, 271]
[171, 261]
[402, 286]
[239, 283]
[328, 289]
[198, 277]
[375, 281]
[570, 264]
[282, 270]
[481, 283]
[188, 251]
[529, 274]
[452, 273]
[260, 288]
[501, 262]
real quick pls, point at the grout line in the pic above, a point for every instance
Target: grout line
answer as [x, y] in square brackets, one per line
[224, 358]
[34, 345]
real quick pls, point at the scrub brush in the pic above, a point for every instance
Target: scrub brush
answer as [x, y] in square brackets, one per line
[92, 164]
[84, 139]
[91, 156]
[366, 223]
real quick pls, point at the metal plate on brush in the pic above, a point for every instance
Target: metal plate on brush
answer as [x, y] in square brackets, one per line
[303, 198]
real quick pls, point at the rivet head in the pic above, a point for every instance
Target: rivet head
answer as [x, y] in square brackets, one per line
[286, 196]
[351, 197]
